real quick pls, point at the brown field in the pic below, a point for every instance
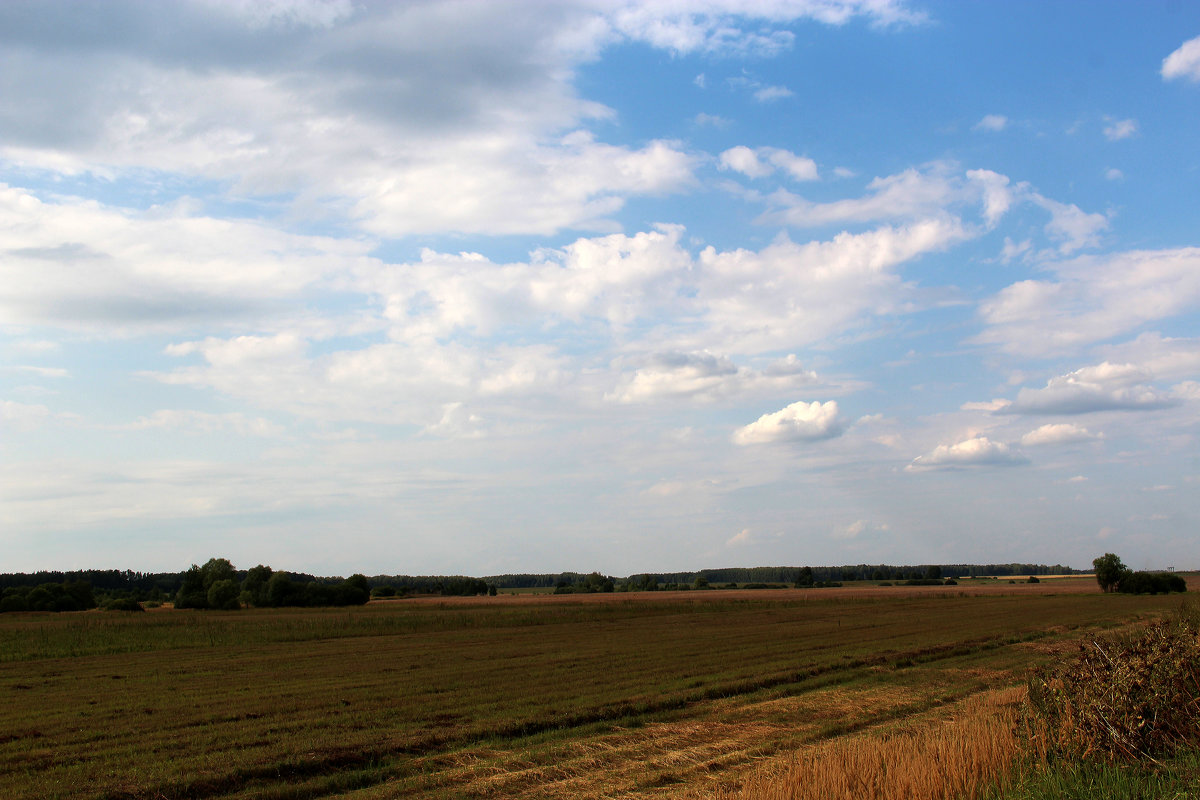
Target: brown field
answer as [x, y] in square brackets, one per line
[1050, 584]
[662, 694]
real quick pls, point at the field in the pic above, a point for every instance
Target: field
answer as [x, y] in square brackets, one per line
[629, 695]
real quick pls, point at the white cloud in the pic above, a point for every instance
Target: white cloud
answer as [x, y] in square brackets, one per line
[1120, 129]
[1114, 174]
[763, 161]
[1188, 390]
[720, 26]
[77, 264]
[977, 451]
[742, 537]
[799, 422]
[791, 294]
[769, 94]
[744, 160]
[458, 422]
[1058, 433]
[1184, 62]
[799, 168]
[859, 528]
[707, 378]
[1093, 298]
[402, 118]
[1072, 227]
[1164, 358]
[1103, 387]
[23, 416]
[991, 122]
[987, 405]
[912, 194]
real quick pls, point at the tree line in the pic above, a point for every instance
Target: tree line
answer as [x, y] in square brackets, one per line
[217, 584]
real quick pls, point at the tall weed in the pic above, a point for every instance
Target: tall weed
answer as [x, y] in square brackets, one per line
[1123, 698]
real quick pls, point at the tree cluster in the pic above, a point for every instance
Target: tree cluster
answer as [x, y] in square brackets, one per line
[215, 586]
[1114, 576]
[589, 584]
[68, 596]
[444, 585]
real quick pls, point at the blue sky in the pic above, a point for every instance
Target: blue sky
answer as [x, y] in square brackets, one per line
[494, 287]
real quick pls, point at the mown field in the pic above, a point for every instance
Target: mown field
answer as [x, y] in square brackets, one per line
[626, 695]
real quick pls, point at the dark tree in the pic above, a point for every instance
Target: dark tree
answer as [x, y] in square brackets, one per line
[192, 594]
[254, 587]
[223, 594]
[1110, 571]
[217, 569]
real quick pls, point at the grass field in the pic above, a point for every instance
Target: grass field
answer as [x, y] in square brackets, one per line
[652, 695]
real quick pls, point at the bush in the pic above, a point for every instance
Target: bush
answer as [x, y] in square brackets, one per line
[1124, 698]
[123, 604]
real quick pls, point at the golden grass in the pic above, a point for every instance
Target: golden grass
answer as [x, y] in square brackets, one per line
[955, 758]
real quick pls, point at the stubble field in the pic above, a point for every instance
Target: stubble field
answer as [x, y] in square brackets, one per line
[629, 695]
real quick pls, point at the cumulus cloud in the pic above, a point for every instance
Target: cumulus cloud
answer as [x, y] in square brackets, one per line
[1058, 433]
[1103, 387]
[978, 451]
[799, 422]
[402, 118]
[790, 294]
[1184, 62]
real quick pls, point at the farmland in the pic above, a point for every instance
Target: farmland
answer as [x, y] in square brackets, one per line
[650, 694]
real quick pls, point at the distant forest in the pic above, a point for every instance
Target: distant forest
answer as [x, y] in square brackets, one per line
[113, 584]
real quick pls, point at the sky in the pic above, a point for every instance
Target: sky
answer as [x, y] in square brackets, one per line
[488, 287]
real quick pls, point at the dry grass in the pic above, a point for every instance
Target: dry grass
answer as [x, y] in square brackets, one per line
[955, 758]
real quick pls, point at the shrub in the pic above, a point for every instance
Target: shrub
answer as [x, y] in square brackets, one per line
[1123, 698]
[123, 604]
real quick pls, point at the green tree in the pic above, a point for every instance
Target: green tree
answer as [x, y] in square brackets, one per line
[216, 569]
[282, 591]
[254, 587]
[192, 593]
[1110, 571]
[223, 594]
